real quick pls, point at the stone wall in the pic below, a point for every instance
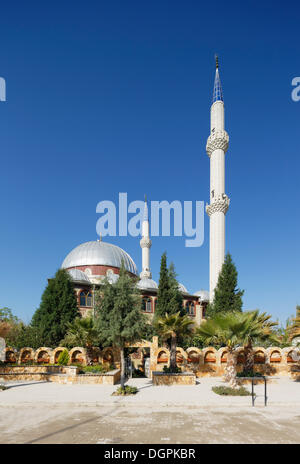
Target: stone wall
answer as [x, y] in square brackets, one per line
[202, 362]
[159, 378]
[209, 362]
[58, 374]
[46, 355]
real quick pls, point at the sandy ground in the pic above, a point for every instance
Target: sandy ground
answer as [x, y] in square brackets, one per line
[41, 412]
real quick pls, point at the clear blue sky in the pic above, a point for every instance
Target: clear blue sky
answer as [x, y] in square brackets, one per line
[107, 97]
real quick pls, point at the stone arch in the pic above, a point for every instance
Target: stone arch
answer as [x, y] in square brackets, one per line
[78, 355]
[181, 355]
[11, 355]
[193, 355]
[287, 357]
[43, 355]
[260, 355]
[222, 355]
[108, 356]
[26, 355]
[55, 354]
[274, 354]
[209, 355]
[240, 355]
[96, 354]
[162, 355]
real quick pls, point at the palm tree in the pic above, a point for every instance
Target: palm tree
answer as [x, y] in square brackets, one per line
[294, 329]
[171, 326]
[258, 328]
[81, 332]
[225, 329]
[236, 329]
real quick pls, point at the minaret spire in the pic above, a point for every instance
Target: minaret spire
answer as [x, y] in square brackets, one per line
[145, 243]
[216, 147]
[217, 94]
[217, 61]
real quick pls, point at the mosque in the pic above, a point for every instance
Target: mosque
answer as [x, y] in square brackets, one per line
[89, 263]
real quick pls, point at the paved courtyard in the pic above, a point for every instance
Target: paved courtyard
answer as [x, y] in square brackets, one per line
[42, 412]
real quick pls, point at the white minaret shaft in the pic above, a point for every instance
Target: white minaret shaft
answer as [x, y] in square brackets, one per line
[145, 245]
[216, 147]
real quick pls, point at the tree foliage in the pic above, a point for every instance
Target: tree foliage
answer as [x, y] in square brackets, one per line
[170, 327]
[7, 322]
[175, 295]
[82, 332]
[227, 296]
[169, 296]
[63, 358]
[294, 329]
[6, 315]
[21, 335]
[119, 319]
[162, 303]
[234, 329]
[58, 307]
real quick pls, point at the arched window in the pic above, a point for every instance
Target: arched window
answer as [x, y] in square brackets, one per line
[89, 299]
[82, 299]
[85, 298]
[147, 305]
[190, 308]
[187, 307]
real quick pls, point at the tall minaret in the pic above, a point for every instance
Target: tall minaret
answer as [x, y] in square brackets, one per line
[216, 147]
[145, 245]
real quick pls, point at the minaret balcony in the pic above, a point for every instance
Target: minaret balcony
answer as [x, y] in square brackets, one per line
[217, 141]
[145, 242]
[218, 205]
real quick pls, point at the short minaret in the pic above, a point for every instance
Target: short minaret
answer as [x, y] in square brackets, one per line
[145, 245]
[216, 147]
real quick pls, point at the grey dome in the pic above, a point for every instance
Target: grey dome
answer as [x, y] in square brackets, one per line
[78, 276]
[99, 253]
[182, 288]
[203, 295]
[147, 284]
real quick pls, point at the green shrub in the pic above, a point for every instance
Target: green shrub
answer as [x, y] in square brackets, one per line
[3, 387]
[97, 369]
[168, 370]
[228, 391]
[126, 391]
[63, 358]
[249, 374]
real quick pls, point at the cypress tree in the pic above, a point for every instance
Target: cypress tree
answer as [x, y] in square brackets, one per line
[163, 294]
[175, 304]
[119, 319]
[228, 297]
[58, 307]
[169, 297]
[104, 305]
